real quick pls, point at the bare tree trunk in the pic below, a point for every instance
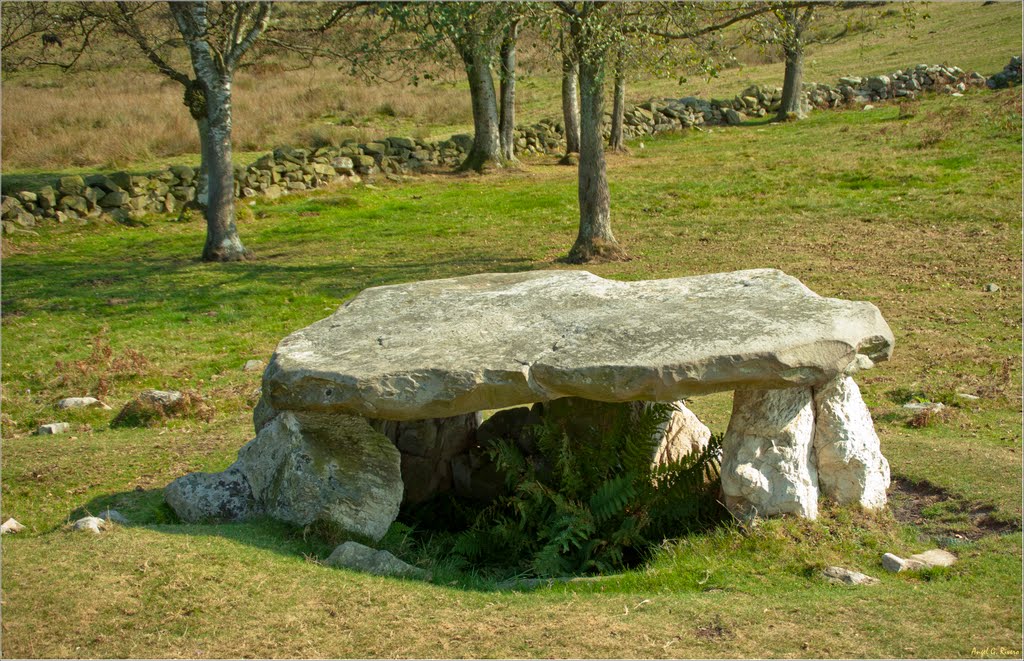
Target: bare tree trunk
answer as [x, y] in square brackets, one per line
[507, 121]
[222, 241]
[616, 141]
[570, 101]
[595, 239]
[486, 150]
[792, 86]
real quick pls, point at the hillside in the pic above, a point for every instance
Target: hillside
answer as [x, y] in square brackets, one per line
[116, 113]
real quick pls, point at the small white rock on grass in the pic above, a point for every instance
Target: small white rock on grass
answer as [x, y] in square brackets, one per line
[81, 403]
[91, 523]
[252, 366]
[10, 527]
[53, 428]
[926, 560]
[841, 575]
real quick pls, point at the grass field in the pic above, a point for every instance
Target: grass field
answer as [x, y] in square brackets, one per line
[915, 214]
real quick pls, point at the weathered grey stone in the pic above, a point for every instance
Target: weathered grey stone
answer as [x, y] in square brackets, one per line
[183, 172]
[925, 560]
[92, 524]
[53, 428]
[851, 468]
[81, 403]
[224, 496]
[732, 117]
[844, 576]
[113, 516]
[476, 476]
[113, 199]
[159, 397]
[447, 347]
[991, 288]
[427, 448]
[463, 141]
[681, 435]
[11, 527]
[308, 467]
[47, 198]
[924, 406]
[353, 555]
[767, 460]
[252, 365]
[71, 185]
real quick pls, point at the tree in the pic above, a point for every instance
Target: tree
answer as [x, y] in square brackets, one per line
[34, 34]
[507, 118]
[791, 27]
[593, 33]
[570, 96]
[473, 32]
[794, 22]
[216, 35]
[589, 41]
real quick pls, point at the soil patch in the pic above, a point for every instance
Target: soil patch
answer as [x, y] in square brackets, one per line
[939, 513]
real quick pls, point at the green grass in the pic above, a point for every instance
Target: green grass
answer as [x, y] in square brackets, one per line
[915, 215]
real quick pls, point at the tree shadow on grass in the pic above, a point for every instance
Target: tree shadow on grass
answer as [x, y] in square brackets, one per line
[101, 287]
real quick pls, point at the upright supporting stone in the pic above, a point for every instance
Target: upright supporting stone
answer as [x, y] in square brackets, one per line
[851, 468]
[427, 448]
[682, 434]
[304, 468]
[767, 459]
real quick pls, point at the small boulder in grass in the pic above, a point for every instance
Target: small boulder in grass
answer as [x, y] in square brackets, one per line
[114, 517]
[925, 560]
[252, 366]
[53, 429]
[92, 524]
[353, 555]
[843, 576]
[81, 403]
[152, 407]
[11, 527]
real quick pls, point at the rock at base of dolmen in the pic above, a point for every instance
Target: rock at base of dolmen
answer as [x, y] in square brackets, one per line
[681, 435]
[851, 468]
[427, 448]
[767, 456]
[311, 467]
[224, 496]
[353, 555]
[302, 468]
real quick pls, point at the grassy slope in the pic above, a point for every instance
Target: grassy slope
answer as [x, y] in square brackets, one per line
[52, 121]
[914, 214]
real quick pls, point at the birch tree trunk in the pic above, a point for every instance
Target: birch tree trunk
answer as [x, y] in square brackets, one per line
[617, 141]
[793, 47]
[570, 102]
[486, 150]
[507, 121]
[222, 241]
[595, 239]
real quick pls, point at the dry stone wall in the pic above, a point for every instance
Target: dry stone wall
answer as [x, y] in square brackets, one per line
[125, 197]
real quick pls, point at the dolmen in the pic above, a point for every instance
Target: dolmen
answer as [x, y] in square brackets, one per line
[381, 402]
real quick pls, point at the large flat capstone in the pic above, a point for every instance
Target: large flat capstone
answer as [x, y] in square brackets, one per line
[448, 347]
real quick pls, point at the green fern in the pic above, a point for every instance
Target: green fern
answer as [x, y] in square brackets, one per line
[592, 501]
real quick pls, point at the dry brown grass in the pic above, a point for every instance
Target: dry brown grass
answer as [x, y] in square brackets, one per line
[84, 120]
[95, 374]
